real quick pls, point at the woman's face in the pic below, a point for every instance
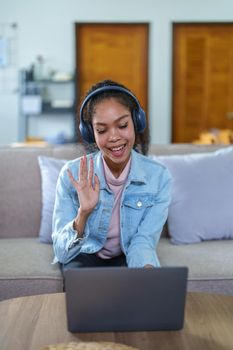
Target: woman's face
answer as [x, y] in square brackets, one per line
[114, 133]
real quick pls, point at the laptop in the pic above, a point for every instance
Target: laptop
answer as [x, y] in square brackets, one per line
[110, 299]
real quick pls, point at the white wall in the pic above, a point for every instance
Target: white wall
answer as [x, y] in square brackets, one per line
[46, 27]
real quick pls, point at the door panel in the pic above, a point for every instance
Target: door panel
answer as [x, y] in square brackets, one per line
[113, 51]
[202, 79]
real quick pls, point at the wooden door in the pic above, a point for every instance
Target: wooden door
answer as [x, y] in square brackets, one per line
[113, 51]
[202, 79]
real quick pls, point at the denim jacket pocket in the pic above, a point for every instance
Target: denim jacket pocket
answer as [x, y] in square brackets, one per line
[139, 201]
[134, 209]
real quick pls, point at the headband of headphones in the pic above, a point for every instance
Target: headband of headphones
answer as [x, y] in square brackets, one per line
[139, 117]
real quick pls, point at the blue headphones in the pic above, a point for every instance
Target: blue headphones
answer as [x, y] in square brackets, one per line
[139, 116]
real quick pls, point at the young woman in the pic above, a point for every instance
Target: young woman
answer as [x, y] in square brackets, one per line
[111, 205]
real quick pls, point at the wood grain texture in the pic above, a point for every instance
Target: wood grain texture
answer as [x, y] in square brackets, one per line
[202, 79]
[30, 323]
[113, 51]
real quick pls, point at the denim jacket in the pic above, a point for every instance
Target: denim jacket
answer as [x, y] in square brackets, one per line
[143, 212]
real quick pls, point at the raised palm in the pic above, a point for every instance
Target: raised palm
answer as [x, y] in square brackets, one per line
[87, 189]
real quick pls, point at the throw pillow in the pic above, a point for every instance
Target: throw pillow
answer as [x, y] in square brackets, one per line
[202, 196]
[49, 169]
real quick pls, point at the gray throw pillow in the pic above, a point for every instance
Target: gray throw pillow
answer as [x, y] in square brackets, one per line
[202, 196]
[49, 169]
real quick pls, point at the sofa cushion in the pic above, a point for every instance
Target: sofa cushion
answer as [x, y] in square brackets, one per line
[20, 190]
[27, 268]
[49, 169]
[202, 196]
[210, 263]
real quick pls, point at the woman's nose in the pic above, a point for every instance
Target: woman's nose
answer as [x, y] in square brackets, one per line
[113, 136]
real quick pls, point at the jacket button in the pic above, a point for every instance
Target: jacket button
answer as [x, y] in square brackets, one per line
[139, 204]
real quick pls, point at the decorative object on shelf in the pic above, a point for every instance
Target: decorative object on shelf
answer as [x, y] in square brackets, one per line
[57, 139]
[39, 68]
[61, 104]
[62, 76]
[215, 136]
[31, 104]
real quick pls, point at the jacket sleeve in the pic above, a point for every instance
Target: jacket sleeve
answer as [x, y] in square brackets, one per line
[142, 248]
[65, 244]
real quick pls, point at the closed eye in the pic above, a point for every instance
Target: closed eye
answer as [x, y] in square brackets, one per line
[123, 126]
[100, 131]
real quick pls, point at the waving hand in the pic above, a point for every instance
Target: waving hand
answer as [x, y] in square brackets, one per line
[87, 189]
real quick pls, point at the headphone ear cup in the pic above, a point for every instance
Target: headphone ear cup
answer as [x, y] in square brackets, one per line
[86, 131]
[139, 119]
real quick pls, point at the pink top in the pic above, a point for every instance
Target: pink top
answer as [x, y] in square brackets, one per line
[112, 245]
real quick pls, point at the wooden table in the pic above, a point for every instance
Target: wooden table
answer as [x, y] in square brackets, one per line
[30, 323]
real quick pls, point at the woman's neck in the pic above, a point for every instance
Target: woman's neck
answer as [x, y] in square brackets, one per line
[116, 169]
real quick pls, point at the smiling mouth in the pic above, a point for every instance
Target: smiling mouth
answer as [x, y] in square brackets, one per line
[117, 151]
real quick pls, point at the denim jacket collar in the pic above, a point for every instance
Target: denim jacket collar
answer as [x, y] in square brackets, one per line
[136, 173]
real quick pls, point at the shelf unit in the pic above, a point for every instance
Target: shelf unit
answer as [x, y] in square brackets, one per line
[38, 97]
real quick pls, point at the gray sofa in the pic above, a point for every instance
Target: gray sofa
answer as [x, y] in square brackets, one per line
[26, 267]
